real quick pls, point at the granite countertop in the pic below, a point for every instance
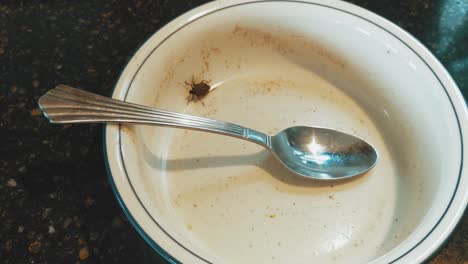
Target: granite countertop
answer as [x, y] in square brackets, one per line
[56, 205]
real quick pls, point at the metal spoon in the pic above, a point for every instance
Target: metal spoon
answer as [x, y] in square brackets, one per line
[312, 152]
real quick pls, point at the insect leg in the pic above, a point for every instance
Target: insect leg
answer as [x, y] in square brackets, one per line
[190, 99]
[200, 100]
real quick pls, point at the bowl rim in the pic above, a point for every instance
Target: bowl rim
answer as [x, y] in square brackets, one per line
[455, 98]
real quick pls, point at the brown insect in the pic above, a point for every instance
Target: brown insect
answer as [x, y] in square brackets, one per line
[199, 90]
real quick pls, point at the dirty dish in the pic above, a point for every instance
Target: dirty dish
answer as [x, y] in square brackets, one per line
[202, 198]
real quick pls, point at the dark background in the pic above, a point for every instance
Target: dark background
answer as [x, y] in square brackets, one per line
[56, 205]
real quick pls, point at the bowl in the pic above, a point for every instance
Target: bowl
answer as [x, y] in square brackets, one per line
[203, 198]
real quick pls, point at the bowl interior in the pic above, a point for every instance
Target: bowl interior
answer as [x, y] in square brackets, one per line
[271, 66]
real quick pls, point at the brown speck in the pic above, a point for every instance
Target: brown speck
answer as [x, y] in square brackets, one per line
[35, 247]
[331, 197]
[13, 89]
[189, 226]
[129, 131]
[91, 70]
[2, 51]
[250, 246]
[194, 205]
[272, 215]
[106, 15]
[35, 112]
[252, 228]
[356, 244]
[396, 219]
[215, 50]
[84, 253]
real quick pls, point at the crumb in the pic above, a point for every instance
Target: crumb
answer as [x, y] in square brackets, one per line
[84, 253]
[35, 247]
[106, 15]
[35, 112]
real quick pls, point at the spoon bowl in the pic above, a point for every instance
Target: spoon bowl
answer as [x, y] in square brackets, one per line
[322, 153]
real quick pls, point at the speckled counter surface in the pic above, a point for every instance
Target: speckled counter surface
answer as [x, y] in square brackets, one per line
[56, 205]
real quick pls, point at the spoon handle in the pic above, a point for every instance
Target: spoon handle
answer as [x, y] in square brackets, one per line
[65, 104]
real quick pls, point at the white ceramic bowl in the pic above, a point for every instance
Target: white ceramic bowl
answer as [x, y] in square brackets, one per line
[202, 198]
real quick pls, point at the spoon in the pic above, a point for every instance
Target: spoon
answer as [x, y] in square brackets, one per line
[312, 152]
